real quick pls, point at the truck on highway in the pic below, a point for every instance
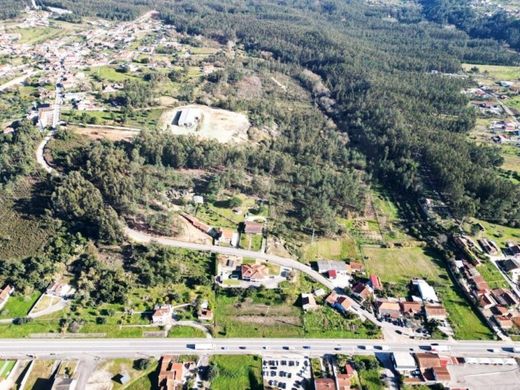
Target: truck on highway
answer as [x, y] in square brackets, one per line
[441, 348]
[200, 346]
[516, 349]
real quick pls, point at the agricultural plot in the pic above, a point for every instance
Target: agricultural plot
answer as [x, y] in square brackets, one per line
[334, 249]
[19, 305]
[399, 265]
[108, 73]
[492, 275]
[237, 372]
[6, 366]
[496, 72]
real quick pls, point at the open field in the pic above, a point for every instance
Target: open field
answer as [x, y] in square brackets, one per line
[465, 323]
[19, 305]
[108, 73]
[499, 233]
[108, 372]
[221, 125]
[496, 72]
[334, 249]
[104, 133]
[492, 276]
[38, 34]
[39, 378]
[186, 331]
[238, 372]
[399, 265]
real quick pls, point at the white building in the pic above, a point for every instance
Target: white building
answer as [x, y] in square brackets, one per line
[404, 362]
[189, 117]
[425, 290]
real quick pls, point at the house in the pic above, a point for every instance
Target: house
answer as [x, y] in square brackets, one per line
[58, 289]
[410, 308]
[375, 283]
[403, 362]
[325, 266]
[48, 116]
[357, 267]
[308, 302]
[426, 292]
[343, 304]
[486, 301]
[388, 308]
[64, 383]
[435, 312]
[504, 297]
[162, 314]
[362, 291]
[251, 227]
[516, 321]
[512, 268]
[324, 384]
[343, 381]
[171, 374]
[504, 322]
[331, 299]
[5, 293]
[480, 284]
[427, 360]
[205, 314]
[254, 272]
[513, 250]
[441, 374]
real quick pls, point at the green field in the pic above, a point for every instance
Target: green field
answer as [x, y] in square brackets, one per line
[19, 305]
[465, 323]
[237, 373]
[107, 73]
[323, 248]
[186, 331]
[491, 275]
[499, 233]
[496, 72]
[399, 265]
[38, 34]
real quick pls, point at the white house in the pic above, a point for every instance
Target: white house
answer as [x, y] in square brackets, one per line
[404, 362]
[425, 290]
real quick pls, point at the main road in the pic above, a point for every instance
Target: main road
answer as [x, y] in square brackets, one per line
[153, 347]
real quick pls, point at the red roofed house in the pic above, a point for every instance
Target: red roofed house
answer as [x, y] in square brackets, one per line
[435, 312]
[343, 381]
[171, 374]
[375, 282]
[504, 322]
[332, 274]
[411, 308]
[251, 227]
[5, 293]
[331, 299]
[162, 314]
[362, 291]
[388, 309]
[343, 304]
[357, 267]
[324, 384]
[254, 272]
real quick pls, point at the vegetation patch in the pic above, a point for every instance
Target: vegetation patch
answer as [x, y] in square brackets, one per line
[237, 372]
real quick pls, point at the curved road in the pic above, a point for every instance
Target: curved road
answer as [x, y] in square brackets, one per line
[39, 153]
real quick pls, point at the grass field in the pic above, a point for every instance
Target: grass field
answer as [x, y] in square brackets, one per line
[498, 233]
[491, 275]
[238, 373]
[107, 73]
[19, 305]
[39, 378]
[464, 321]
[496, 71]
[323, 248]
[399, 265]
[186, 331]
[38, 34]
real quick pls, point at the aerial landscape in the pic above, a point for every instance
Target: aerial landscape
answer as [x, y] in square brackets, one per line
[260, 194]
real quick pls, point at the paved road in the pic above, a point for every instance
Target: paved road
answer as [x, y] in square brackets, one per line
[40, 159]
[82, 348]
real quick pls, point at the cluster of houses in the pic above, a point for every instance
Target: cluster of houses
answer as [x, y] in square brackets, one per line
[164, 314]
[174, 373]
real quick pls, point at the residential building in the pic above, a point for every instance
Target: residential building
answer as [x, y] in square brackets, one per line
[441, 375]
[324, 384]
[5, 293]
[404, 362]
[325, 266]
[254, 272]
[375, 283]
[162, 315]
[47, 116]
[357, 267]
[427, 360]
[343, 304]
[411, 308]
[343, 381]
[512, 268]
[435, 312]
[308, 302]
[251, 227]
[205, 314]
[171, 374]
[504, 297]
[504, 322]
[388, 308]
[59, 289]
[362, 291]
[189, 117]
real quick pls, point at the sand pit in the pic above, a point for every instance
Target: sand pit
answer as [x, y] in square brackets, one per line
[207, 123]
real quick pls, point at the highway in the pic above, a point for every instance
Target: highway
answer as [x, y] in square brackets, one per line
[155, 347]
